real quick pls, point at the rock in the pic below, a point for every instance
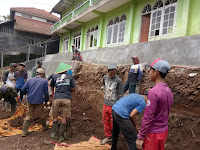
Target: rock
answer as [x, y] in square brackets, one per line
[191, 75]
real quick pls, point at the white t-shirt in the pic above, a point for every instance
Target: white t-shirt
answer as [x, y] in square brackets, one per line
[10, 82]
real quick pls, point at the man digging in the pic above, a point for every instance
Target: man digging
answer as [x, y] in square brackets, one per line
[64, 84]
[36, 88]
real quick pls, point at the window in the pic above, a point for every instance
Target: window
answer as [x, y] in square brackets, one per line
[77, 40]
[31, 41]
[162, 18]
[66, 45]
[146, 9]
[116, 30]
[27, 16]
[168, 24]
[92, 35]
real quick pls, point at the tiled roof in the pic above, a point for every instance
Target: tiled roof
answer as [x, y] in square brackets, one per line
[35, 12]
[30, 25]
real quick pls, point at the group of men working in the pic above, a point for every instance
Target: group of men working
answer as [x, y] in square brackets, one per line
[36, 89]
[119, 111]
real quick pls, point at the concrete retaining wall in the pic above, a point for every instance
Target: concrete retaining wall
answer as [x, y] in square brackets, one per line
[179, 51]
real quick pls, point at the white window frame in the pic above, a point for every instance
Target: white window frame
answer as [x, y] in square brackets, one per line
[123, 32]
[65, 45]
[94, 33]
[76, 38]
[165, 7]
[112, 33]
[162, 20]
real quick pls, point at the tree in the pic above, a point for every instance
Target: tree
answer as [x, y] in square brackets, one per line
[6, 18]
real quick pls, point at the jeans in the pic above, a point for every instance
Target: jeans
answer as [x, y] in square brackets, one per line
[127, 128]
[129, 86]
[21, 94]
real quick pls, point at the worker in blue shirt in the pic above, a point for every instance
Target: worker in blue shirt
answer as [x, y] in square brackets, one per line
[36, 88]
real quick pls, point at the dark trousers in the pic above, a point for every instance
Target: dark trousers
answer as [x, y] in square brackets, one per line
[127, 128]
[129, 86]
[11, 99]
[21, 93]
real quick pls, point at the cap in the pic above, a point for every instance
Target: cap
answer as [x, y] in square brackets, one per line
[161, 65]
[132, 57]
[21, 64]
[13, 65]
[39, 71]
[112, 67]
[72, 45]
[39, 62]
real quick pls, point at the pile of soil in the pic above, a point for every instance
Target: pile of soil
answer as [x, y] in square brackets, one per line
[184, 120]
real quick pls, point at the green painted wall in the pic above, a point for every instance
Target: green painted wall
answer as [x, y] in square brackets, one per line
[193, 27]
[187, 22]
[182, 12]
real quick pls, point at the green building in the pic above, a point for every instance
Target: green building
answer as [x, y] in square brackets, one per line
[93, 24]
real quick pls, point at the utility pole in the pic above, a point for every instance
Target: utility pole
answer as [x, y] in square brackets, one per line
[28, 54]
[45, 49]
[1, 59]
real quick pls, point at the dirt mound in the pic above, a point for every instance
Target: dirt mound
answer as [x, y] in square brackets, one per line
[183, 121]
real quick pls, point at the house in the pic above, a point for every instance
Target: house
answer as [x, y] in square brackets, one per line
[28, 31]
[92, 24]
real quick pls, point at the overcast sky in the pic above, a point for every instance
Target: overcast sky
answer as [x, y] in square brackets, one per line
[40, 4]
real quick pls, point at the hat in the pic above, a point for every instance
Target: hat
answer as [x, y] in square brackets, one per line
[62, 67]
[39, 71]
[13, 65]
[132, 57]
[161, 65]
[112, 67]
[39, 62]
[21, 64]
[73, 45]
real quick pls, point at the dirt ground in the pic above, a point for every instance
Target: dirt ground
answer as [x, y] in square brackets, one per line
[87, 102]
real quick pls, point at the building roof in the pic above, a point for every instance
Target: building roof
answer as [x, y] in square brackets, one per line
[30, 25]
[35, 12]
[61, 6]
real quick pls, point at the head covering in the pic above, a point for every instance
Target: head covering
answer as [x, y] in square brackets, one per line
[39, 62]
[73, 45]
[21, 64]
[161, 65]
[39, 71]
[13, 65]
[136, 59]
[62, 67]
[112, 67]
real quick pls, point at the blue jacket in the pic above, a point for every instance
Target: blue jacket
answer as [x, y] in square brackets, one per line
[36, 88]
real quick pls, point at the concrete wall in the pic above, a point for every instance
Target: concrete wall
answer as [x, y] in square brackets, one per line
[19, 39]
[178, 51]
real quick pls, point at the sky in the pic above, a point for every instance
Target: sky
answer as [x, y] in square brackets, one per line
[40, 4]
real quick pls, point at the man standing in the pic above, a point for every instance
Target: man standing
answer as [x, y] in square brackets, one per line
[9, 93]
[9, 80]
[124, 113]
[39, 65]
[135, 74]
[64, 84]
[21, 78]
[36, 88]
[112, 93]
[154, 129]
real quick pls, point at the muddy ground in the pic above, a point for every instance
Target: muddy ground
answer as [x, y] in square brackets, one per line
[87, 102]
